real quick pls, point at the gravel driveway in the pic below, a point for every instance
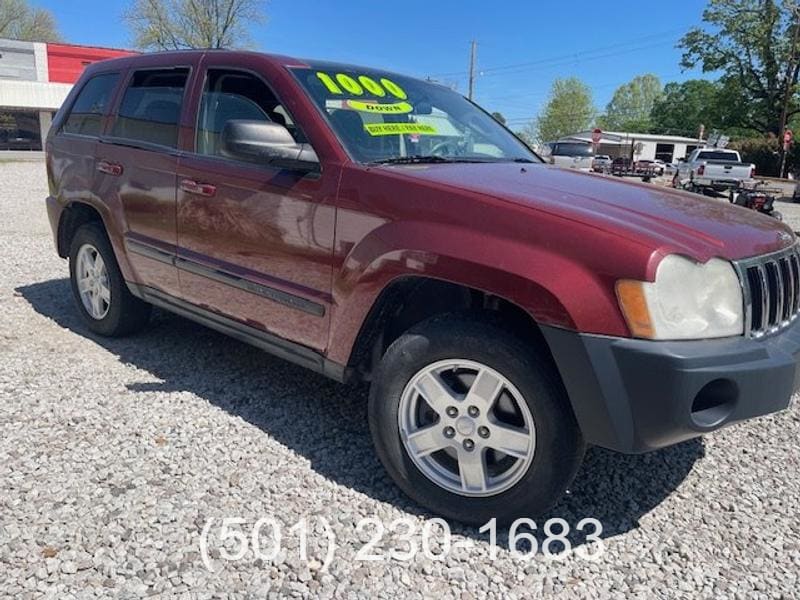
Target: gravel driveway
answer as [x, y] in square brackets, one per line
[114, 455]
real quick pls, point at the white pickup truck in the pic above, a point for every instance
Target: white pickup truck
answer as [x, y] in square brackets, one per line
[712, 169]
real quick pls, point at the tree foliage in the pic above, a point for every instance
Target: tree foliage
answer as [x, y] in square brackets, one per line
[685, 106]
[179, 24]
[20, 21]
[751, 43]
[569, 109]
[631, 104]
[762, 151]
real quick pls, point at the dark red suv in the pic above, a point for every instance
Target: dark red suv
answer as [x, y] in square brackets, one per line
[371, 226]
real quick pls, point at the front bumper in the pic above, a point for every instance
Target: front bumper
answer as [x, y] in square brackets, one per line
[637, 395]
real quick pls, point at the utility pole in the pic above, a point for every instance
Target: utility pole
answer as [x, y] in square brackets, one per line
[472, 51]
[791, 74]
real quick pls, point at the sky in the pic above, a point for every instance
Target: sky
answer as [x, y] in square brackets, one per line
[521, 45]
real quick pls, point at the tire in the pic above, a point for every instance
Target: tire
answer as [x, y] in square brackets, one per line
[118, 312]
[558, 446]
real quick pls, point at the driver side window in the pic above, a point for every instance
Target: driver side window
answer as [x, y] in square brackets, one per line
[235, 95]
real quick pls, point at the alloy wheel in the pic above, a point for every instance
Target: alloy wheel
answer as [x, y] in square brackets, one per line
[466, 427]
[93, 284]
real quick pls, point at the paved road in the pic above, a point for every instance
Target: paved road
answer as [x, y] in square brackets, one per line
[114, 455]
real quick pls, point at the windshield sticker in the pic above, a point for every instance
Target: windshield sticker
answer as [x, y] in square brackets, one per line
[399, 128]
[398, 108]
[341, 83]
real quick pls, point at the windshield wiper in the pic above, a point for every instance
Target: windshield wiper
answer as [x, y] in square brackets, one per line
[412, 160]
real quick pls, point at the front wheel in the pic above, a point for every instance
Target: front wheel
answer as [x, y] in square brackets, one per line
[472, 422]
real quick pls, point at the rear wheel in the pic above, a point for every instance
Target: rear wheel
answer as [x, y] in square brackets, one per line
[100, 293]
[473, 423]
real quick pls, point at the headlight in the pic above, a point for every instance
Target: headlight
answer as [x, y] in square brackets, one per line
[687, 300]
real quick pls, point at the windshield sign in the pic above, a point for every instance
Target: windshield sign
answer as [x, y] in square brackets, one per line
[381, 117]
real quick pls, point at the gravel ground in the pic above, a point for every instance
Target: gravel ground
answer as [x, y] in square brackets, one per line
[114, 454]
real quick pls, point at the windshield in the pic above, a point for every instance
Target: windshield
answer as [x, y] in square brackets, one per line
[382, 117]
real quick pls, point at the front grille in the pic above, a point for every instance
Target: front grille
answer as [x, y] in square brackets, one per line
[771, 285]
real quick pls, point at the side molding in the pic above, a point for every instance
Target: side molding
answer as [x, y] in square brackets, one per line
[295, 353]
[191, 266]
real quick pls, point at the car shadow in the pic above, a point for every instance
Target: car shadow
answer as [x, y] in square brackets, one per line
[326, 422]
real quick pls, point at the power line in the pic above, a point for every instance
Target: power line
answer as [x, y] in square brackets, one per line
[569, 57]
[571, 60]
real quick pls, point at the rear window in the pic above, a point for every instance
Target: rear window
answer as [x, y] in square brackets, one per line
[86, 114]
[151, 107]
[711, 155]
[569, 149]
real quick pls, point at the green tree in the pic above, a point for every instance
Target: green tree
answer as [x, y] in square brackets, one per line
[178, 24]
[754, 44]
[631, 104]
[762, 151]
[19, 21]
[685, 106]
[569, 109]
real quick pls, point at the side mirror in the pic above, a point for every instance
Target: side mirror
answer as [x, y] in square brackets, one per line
[267, 143]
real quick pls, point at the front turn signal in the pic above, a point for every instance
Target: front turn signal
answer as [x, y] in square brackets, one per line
[630, 295]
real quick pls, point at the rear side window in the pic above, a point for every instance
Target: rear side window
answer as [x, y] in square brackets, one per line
[151, 107]
[85, 117]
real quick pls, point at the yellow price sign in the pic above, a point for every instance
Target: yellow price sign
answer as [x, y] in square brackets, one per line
[399, 128]
[397, 108]
[340, 83]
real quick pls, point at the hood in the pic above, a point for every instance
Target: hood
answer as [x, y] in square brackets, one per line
[670, 220]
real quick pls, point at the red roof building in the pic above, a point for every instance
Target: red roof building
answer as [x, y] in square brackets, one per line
[66, 62]
[35, 78]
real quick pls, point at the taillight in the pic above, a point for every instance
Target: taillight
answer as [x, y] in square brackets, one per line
[752, 172]
[701, 169]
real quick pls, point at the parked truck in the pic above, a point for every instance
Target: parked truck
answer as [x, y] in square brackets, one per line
[709, 170]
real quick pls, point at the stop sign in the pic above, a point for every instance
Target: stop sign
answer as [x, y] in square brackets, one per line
[597, 135]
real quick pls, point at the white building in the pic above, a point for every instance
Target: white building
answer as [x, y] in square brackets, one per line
[639, 146]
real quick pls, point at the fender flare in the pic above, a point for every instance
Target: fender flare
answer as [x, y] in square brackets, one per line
[398, 250]
[106, 217]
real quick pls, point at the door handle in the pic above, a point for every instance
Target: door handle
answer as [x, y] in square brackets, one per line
[198, 189]
[110, 168]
